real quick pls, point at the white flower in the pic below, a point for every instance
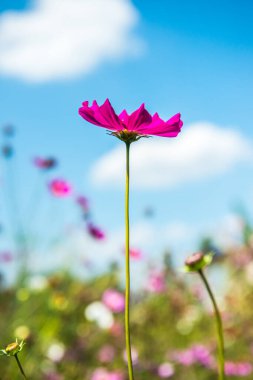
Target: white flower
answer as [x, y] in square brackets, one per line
[99, 313]
[56, 352]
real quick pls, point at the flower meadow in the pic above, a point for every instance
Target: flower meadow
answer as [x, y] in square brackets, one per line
[58, 324]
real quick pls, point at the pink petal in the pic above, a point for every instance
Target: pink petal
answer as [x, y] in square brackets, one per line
[124, 117]
[103, 116]
[158, 127]
[138, 119]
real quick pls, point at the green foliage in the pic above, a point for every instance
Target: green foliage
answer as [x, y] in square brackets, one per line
[174, 320]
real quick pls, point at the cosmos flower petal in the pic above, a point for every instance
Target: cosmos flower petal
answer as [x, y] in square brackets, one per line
[124, 117]
[103, 116]
[140, 121]
[158, 127]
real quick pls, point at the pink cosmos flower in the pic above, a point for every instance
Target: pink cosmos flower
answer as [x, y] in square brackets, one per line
[195, 354]
[140, 121]
[135, 254]
[6, 257]
[106, 354]
[95, 232]
[114, 300]
[59, 188]
[238, 369]
[104, 374]
[156, 282]
[45, 163]
[117, 329]
[165, 370]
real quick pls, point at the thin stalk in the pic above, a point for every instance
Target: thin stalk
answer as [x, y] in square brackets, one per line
[20, 366]
[127, 264]
[221, 350]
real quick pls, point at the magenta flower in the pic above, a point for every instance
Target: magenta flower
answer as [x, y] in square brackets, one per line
[95, 232]
[59, 188]
[140, 122]
[45, 163]
[114, 300]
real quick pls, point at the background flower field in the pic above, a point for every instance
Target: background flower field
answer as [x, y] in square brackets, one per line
[74, 328]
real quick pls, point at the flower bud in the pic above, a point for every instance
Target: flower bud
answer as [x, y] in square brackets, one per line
[197, 261]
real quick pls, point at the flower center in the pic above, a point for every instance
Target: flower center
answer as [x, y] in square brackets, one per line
[127, 136]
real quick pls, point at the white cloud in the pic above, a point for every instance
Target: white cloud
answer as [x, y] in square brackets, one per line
[200, 151]
[63, 38]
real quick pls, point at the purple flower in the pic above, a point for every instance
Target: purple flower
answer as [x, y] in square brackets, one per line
[140, 122]
[45, 163]
[95, 232]
[114, 300]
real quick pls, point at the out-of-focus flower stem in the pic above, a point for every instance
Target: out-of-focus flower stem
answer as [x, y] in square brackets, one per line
[20, 366]
[127, 290]
[221, 356]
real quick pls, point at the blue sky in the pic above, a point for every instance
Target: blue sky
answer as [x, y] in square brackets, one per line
[190, 57]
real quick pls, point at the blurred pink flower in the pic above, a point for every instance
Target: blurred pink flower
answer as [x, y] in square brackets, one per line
[135, 254]
[106, 354]
[195, 354]
[238, 369]
[95, 232]
[156, 282]
[59, 188]
[6, 257]
[104, 374]
[117, 329]
[83, 203]
[114, 300]
[139, 122]
[165, 370]
[45, 163]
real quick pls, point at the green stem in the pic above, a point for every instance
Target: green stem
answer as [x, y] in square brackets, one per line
[20, 366]
[127, 291]
[221, 356]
